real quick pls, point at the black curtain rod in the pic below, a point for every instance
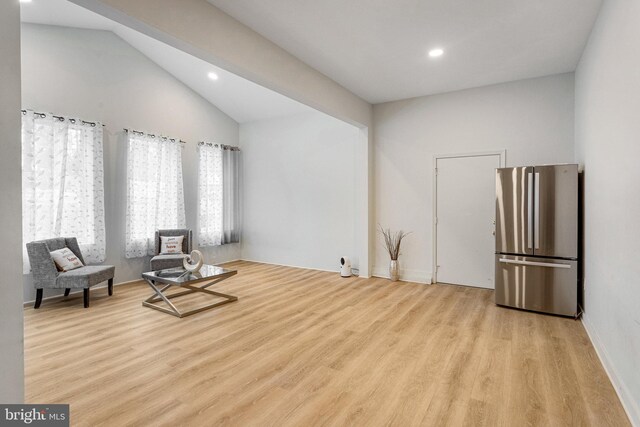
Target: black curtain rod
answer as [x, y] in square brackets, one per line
[224, 147]
[62, 119]
[155, 136]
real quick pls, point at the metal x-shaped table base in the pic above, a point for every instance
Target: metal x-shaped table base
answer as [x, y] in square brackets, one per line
[160, 296]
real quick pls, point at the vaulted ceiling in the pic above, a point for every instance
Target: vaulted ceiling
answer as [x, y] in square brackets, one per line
[242, 100]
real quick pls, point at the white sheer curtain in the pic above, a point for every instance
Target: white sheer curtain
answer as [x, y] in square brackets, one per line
[155, 194]
[210, 194]
[218, 194]
[63, 183]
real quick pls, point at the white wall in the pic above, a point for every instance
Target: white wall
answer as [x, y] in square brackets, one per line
[11, 329]
[97, 76]
[608, 144]
[208, 33]
[299, 196]
[532, 119]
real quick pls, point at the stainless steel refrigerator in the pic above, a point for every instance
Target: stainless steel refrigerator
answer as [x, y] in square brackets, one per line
[537, 210]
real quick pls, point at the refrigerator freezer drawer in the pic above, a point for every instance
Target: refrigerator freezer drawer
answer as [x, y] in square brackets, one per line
[537, 284]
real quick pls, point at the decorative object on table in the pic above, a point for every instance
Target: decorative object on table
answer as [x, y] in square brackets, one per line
[187, 261]
[75, 274]
[345, 270]
[164, 260]
[174, 277]
[392, 241]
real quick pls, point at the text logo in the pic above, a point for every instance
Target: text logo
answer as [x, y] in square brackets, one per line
[34, 415]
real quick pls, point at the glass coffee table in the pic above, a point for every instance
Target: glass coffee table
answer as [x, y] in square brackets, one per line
[163, 280]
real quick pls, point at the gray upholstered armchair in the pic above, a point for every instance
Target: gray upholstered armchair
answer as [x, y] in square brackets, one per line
[163, 261]
[46, 275]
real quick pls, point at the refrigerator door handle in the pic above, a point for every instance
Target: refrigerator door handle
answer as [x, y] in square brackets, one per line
[534, 264]
[529, 210]
[536, 211]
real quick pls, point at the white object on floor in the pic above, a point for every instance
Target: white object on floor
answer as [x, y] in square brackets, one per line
[345, 271]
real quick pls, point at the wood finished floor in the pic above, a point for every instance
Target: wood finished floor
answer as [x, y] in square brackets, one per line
[307, 348]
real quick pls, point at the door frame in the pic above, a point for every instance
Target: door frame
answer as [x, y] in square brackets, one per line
[434, 191]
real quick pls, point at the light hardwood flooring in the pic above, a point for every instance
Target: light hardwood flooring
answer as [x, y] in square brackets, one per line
[308, 348]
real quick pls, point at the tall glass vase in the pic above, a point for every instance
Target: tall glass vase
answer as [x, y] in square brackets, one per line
[394, 270]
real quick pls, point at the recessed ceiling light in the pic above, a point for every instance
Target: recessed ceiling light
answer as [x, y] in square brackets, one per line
[212, 76]
[434, 53]
[25, 1]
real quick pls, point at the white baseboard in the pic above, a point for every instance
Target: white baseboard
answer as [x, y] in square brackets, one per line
[406, 275]
[628, 403]
[337, 270]
[289, 265]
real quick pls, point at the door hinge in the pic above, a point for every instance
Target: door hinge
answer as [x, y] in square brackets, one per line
[436, 221]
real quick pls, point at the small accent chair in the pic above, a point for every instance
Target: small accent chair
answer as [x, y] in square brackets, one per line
[46, 275]
[163, 261]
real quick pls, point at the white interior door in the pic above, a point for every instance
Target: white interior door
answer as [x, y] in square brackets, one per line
[465, 217]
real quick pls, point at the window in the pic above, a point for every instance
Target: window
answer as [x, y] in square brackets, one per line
[218, 194]
[155, 195]
[63, 183]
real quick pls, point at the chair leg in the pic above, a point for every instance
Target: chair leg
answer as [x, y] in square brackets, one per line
[86, 297]
[110, 287]
[66, 291]
[38, 298]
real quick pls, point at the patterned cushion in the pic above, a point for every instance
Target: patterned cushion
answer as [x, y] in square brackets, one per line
[186, 242]
[171, 244]
[65, 259]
